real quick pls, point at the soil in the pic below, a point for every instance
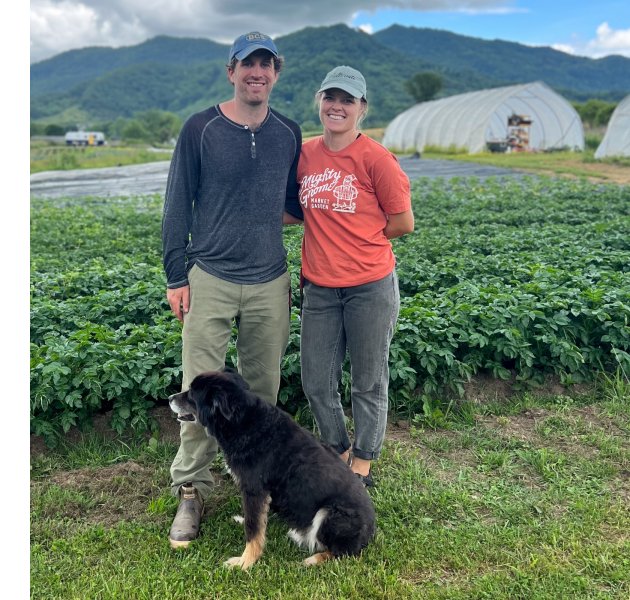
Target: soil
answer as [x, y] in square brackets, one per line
[613, 173]
[128, 490]
[481, 389]
[168, 430]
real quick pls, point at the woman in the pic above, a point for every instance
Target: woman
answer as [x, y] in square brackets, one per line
[355, 198]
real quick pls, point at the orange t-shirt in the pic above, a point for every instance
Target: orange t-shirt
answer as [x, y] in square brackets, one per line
[345, 197]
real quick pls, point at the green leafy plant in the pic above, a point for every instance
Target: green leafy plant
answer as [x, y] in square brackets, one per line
[515, 279]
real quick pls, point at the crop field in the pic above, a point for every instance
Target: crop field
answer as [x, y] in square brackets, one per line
[516, 281]
[519, 285]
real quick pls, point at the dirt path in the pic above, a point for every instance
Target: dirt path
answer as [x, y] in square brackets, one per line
[599, 173]
[151, 178]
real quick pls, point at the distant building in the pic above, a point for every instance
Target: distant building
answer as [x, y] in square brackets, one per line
[616, 140]
[515, 118]
[85, 138]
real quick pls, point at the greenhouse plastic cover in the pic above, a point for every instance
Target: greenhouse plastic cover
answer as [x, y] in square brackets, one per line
[471, 120]
[616, 141]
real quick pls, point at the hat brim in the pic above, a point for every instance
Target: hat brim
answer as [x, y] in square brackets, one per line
[346, 87]
[247, 51]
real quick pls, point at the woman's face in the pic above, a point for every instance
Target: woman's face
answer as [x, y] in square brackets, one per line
[339, 112]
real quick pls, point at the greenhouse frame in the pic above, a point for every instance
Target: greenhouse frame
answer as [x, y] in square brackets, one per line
[616, 141]
[489, 120]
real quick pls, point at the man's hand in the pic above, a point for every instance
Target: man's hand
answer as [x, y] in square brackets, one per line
[179, 300]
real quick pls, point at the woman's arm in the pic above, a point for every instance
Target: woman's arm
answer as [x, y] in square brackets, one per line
[289, 219]
[399, 224]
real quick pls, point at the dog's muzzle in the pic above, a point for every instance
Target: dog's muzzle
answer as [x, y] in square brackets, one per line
[181, 417]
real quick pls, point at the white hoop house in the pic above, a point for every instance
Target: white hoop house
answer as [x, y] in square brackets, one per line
[478, 120]
[616, 141]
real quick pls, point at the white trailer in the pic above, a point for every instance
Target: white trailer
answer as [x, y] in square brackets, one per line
[85, 138]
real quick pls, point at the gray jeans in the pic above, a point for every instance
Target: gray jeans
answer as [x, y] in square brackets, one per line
[262, 311]
[359, 319]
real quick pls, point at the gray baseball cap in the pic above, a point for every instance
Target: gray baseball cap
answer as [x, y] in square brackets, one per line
[347, 79]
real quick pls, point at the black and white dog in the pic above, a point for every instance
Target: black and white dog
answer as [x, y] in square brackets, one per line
[278, 465]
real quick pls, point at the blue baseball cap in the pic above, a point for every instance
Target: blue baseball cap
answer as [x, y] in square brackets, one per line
[247, 43]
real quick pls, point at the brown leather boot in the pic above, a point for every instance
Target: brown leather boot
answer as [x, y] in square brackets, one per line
[185, 527]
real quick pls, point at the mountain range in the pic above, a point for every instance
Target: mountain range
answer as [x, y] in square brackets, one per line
[183, 75]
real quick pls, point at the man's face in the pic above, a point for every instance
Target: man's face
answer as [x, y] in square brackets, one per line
[253, 78]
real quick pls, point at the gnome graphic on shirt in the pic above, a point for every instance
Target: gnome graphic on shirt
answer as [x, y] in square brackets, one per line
[345, 194]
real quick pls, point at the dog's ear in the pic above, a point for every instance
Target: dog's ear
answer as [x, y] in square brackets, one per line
[215, 402]
[205, 414]
[210, 401]
[221, 402]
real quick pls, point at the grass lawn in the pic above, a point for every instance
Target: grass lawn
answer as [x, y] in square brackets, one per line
[520, 498]
[571, 164]
[51, 157]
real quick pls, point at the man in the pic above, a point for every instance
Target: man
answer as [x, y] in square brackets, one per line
[231, 181]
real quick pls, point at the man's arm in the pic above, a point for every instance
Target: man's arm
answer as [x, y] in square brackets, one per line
[292, 208]
[181, 188]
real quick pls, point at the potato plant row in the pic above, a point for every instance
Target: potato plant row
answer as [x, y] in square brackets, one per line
[515, 278]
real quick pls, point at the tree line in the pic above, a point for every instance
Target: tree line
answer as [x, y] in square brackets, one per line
[162, 127]
[155, 127]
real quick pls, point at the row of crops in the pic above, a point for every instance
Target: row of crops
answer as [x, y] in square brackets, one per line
[513, 278]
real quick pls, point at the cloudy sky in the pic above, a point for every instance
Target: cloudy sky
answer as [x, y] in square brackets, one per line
[592, 28]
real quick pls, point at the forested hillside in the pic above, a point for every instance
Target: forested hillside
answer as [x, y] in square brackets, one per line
[62, 72]
[513, 63]
[180, 75]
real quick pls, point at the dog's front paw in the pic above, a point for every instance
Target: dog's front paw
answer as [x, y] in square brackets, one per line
[318, 558]
[310, 561]
[238, 561]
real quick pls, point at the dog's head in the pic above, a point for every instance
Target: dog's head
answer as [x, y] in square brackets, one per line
[212, 397]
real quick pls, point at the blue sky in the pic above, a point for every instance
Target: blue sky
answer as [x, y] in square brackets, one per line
[565, 24]
[591, 28]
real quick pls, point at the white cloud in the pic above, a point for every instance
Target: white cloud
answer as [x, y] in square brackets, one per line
[566, 48]
[60, 25]
[609, 41]
[57, 26]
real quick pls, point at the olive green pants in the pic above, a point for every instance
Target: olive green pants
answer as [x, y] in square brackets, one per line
[261, 313]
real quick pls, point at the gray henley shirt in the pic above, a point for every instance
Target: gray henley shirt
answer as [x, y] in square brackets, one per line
[226, 191]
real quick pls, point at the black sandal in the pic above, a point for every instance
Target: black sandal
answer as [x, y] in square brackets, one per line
[366, 480]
